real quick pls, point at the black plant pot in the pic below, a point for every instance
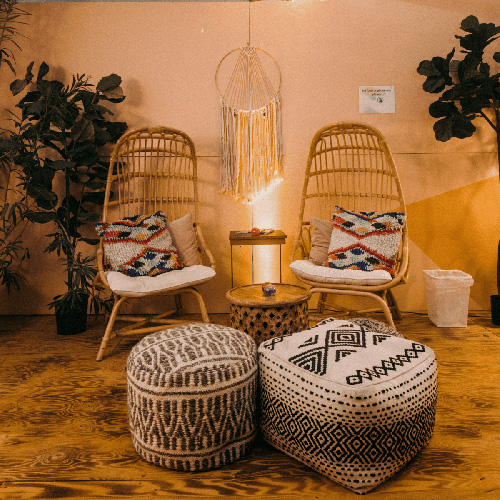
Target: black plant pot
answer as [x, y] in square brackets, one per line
[495, 309]
[74, 320]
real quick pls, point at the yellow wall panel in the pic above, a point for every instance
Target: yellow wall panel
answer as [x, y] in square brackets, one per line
[460, 229]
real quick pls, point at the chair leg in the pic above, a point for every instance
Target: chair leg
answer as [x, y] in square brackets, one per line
[393, 305]
[321, 303]
[380, 298]
[383, 301]
[178, 304]
[201, 304]
[109, 327]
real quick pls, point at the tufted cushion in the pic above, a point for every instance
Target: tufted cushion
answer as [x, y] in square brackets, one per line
[191, 396]
[140, 245]
[145, 285]
[368, 241]
[307, 270]
[352, 404]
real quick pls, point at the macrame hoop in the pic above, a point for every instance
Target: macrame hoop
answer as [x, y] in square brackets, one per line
[251, 147]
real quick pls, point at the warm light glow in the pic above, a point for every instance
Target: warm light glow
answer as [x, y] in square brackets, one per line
[266, 216]
[260, 194]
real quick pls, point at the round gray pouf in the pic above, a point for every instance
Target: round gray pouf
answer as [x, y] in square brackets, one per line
[192, 396]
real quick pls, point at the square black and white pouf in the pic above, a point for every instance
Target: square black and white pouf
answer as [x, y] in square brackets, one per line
[353, 404]
[192, 396]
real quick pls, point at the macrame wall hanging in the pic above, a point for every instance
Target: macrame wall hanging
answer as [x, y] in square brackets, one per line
[250, 149]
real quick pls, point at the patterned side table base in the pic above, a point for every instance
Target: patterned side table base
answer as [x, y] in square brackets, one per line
[264, 317]
[264, 323]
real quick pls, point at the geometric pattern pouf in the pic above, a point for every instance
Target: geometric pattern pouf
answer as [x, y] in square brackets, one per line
[192, 396]
[352, 404]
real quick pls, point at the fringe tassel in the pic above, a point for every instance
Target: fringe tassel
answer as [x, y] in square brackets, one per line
[250, 149]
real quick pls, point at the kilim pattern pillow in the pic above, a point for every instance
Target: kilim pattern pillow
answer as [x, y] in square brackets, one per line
[352, 404]
[140, 245]
[365, 240]
[192, 396]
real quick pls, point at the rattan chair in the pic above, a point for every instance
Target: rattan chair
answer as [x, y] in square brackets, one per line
[153, 169]
[350, 166]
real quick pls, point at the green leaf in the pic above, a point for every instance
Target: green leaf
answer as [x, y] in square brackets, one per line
[115, 129]
[94, 197]
[40, 217]
[80, 178]
[88, 217]
[36, 108]
[50, 88]
[83, 130]
[470, 24]
[29, 75]
[109, 83]
[439, 109]
[62, 165]
[40, 193]
[434, 84]
[91, 241]
[458, 125]
[11, 66]
[475, 103]
[18, 86]
[114, 95]
[443, 129]
[42, 71]
[427, 68]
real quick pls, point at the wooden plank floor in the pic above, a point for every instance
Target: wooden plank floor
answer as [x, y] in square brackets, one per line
[64, 430]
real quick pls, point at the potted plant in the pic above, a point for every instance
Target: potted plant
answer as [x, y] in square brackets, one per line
[13, 200]
[470, 92]
[58, 143]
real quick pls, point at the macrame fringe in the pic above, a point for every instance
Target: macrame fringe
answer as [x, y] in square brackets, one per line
[251, 149]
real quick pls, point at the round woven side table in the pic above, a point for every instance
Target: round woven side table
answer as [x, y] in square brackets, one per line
[264, 317]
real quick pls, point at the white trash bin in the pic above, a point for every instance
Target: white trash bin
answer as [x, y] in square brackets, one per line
[447, 293]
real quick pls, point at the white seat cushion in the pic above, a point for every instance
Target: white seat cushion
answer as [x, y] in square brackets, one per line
[138, 286]
[309, 271]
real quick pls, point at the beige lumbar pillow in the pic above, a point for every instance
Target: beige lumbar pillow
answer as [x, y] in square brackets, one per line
[320, 238]
[184, 237]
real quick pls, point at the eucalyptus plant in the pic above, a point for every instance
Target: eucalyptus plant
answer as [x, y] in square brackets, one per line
[473, 91]
[11, 16]
[58, 142]
[13, 200]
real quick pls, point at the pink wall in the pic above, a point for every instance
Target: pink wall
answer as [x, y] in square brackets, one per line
[167, 54]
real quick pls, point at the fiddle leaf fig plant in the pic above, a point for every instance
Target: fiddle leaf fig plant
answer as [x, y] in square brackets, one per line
[470, 92]
[58, 142]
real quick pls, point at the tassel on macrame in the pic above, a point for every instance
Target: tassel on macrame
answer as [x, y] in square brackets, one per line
[250, 149]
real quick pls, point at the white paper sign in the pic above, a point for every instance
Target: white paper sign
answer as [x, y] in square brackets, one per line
[377, 99]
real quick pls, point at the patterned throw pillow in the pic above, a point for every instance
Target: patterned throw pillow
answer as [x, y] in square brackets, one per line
[367, 241]
[140, 245]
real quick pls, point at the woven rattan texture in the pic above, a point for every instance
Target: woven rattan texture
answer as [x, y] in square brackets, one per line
[350, 165]
[263, 323]
[151, 169]
[192, 396]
